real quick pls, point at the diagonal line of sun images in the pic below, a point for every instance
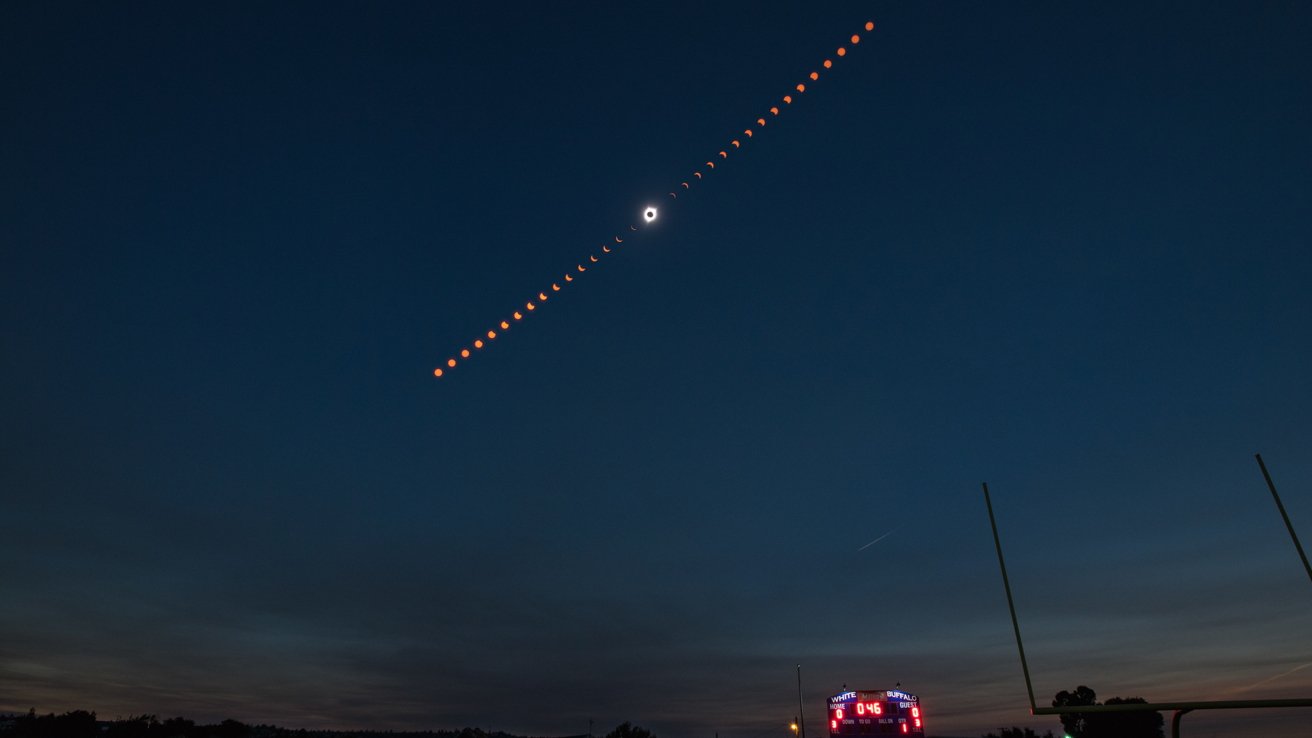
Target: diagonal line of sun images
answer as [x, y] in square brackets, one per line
[649, 216]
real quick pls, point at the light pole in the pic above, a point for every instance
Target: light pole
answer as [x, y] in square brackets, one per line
[801, 711]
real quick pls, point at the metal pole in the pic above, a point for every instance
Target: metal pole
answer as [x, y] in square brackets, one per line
[1175, 722]
[801, 713]
[1271, 485]
[1015, 624]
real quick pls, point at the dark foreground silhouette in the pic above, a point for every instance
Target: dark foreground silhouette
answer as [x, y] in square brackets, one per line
[1106, 724]
[83, 724]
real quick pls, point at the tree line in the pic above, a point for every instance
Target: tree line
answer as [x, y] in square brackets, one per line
[84, 724]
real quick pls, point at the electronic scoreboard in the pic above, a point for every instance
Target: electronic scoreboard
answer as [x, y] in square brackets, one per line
[885, 712]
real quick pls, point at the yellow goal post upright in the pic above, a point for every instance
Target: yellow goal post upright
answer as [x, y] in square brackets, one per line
[1178, 708]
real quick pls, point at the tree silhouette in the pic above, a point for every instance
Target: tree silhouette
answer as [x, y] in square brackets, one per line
[1017, 733]
[1145, 724]
[75, 724]
[136, 726]
[628, 730]
[1075, 723]
[177, 727]
[232, 729]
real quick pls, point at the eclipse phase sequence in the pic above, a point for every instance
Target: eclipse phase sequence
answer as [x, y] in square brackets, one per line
[649, 215]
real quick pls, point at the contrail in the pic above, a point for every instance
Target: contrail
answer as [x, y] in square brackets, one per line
[877, 540]
[1277, 676]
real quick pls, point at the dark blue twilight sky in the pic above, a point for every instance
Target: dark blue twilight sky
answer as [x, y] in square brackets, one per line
[1062, 248]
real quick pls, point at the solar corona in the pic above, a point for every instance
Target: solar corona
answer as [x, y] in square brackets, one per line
[876, 712]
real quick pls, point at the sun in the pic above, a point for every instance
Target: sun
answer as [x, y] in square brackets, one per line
[649, 214]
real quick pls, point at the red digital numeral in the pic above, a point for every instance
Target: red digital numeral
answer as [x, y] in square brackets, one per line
[869, 708]
[833, 725]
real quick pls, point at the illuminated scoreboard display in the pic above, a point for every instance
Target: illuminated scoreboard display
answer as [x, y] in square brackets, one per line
[887, 712]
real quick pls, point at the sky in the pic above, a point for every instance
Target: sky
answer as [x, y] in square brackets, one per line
[1061, 248]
